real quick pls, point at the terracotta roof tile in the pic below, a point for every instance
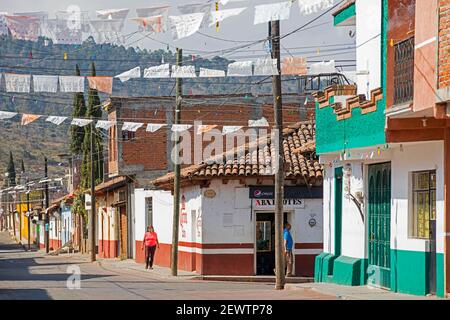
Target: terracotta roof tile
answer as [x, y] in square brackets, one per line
[299, 155]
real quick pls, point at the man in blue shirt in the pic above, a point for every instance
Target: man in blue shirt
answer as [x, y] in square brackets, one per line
[288, 244]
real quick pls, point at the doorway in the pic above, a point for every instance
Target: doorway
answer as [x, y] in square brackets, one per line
[379, 211]
[123, 232]
[338, 211]
[265, 242]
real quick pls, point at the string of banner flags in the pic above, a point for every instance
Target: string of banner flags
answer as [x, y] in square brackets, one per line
[27, 118]
[73, 25]
[23, 83]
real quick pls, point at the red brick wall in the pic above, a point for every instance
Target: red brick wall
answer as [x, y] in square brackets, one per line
[150, 149]
[444, 44]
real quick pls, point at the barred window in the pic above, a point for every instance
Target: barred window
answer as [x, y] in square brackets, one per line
[424, 202]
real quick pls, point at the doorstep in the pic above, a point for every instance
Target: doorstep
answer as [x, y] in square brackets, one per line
[264, 279]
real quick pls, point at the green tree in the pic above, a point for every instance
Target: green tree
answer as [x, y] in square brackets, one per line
[94, 110]
[10, 180]
[79, 111]
[22, 171]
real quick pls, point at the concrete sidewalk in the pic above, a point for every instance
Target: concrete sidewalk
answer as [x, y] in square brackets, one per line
[357, 292]
[157, 271]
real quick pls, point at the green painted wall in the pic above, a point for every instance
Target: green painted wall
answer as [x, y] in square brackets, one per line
[345, 14]
[359, 130]
[355, 132]
[440, 279]
[349, 271]
[409, 272]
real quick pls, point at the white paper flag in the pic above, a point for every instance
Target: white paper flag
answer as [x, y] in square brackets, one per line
[107, 31]
[112, 13]
[180, 127]
[45, 83]
[272, 12]
[211, 73]
[56, 120]
[103, 124]
[62, 31]
[131, 126]
[240, 69]
[3, 25]
[80, 122]
[258, 123]
[266, 67]
[322, 67]
[71, 84]
[313, 6]
[127, 75]
[230, 129]
[218, 16]
[6, 115]
[153, 127]
[225, 2]
[162, 71]
[185, 25]
[17, 82]
[183, 72]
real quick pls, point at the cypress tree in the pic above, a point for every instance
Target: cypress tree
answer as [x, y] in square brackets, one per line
[10, 180]
[94, 110]
[79, 111]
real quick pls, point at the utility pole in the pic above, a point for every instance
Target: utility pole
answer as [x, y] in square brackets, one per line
[176, 180]
[47, 205]
[279, 174]
[91, 234]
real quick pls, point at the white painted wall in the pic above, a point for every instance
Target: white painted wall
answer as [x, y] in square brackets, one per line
[353, 227]
[227, 217]
[368, 43]
[415, 157]
[162, 214]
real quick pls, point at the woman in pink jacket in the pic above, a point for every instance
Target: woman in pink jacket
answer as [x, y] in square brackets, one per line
[150, 243]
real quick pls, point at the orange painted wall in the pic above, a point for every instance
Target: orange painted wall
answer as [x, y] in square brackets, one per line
[425, 57]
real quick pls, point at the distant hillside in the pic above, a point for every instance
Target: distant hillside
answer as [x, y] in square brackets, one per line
[42, 57]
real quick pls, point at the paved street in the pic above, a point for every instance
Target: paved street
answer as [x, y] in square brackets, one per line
[34, 275]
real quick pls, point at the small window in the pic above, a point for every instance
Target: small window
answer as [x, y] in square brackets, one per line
[128, 135]
[424, 202]
[148, 211]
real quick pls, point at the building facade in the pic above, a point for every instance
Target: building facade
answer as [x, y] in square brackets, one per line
[385, 154]
[227, 211]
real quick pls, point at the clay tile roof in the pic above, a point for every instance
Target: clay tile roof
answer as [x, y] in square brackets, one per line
[301, 161]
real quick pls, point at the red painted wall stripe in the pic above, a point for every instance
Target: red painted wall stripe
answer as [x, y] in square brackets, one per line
[312, 245]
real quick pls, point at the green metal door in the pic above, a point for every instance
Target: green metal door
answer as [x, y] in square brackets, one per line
[338, 211]
[379, 210]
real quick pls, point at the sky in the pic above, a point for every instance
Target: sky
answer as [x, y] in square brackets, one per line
[315, 43]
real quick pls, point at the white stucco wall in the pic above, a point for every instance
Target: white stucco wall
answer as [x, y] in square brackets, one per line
[162, 214]
[368, 43]
[415, 157]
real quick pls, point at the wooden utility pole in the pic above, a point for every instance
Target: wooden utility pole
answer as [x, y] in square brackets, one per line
[176, 180]
[47, 205]
[279, 165]
[92, 215]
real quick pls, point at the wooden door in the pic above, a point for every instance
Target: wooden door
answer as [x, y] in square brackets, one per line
[123, 232]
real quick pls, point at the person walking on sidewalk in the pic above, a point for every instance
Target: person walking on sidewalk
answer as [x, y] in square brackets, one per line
[288, 244]
[150, 243]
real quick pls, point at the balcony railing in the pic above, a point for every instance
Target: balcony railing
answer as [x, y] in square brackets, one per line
[404, 71]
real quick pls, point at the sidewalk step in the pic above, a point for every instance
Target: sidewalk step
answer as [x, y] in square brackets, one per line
[266, 279]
